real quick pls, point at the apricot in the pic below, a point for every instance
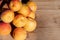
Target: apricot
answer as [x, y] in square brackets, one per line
[7, 16]
[32, 6]
[19, 21]
[5, 28]
[32, 15]
[15, 5]
[25, 11]
[19, 34]
[31, 25]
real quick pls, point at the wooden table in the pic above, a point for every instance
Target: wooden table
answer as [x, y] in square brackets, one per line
[48, 19]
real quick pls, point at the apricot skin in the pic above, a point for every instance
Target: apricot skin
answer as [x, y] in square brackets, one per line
[7, 16]
[19, 21]
[25, 11]
[15, 5]
[5, 28]
[32, 6]
[19, 34]
[31, 25]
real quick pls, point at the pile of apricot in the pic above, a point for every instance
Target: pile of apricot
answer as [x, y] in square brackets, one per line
[21, 15]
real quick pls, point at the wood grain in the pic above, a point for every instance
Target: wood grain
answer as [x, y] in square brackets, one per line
[48, 18]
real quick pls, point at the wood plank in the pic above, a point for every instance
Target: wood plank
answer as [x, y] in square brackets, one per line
[48, 34]
[48, 5]
[48, 18]
[44, 0]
